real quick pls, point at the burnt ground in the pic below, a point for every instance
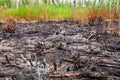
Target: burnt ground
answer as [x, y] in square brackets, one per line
[62, 50]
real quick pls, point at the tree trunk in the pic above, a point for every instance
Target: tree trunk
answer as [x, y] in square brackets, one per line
[32, 2]
[8, 3]
[39, 2]
[17, 4]
[53, 2]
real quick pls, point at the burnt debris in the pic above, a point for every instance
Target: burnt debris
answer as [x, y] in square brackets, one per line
[59, 50]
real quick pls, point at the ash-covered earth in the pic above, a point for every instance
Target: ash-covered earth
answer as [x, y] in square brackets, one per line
[63, 50]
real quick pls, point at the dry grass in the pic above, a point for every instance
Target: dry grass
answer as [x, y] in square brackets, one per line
[104, 14]
[9, 26]
[79, 17]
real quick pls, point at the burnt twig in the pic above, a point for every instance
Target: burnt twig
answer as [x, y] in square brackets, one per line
[13, 65]
[55, 65]
[30, 62]
[111, 66]
[7, 59]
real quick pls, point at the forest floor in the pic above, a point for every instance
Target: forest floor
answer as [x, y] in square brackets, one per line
[62, 50]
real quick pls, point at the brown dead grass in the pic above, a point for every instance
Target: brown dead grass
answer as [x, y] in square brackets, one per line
[104, 14]
[79, 17]
[9, 26]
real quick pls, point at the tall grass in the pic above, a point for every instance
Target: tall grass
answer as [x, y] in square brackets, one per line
[43, 12]
[46, 12]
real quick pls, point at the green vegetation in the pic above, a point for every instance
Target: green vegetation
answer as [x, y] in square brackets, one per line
[46, 11]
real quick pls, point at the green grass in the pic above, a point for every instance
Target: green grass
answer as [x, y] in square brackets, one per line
[62, 11]
[58, 12]
[22, 11]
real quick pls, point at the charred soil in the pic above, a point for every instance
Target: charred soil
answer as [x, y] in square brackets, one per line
[63, 50]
